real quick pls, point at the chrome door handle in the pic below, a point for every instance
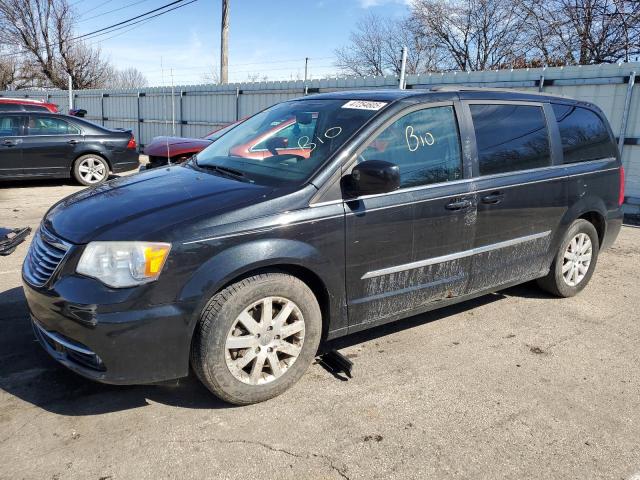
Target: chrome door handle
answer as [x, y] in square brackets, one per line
[493, 198]
[9, 143]
[458, 205]
[73, 142]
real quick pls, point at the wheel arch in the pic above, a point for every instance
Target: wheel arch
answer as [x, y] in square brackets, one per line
[90, 152]
[292, 257]
[598, 221]
[593, 210]
[302, 273]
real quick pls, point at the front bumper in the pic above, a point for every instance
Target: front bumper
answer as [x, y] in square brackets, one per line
[136, 345]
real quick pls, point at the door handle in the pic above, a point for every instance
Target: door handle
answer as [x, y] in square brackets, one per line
[458, 205]
[493, 198]
[9, 143]
[73, 142]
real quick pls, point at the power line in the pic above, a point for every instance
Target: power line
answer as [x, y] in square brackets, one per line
[110, 11]
[130, 19]
[98, 42]
[96, 8]
[96, 33]
[144, 20]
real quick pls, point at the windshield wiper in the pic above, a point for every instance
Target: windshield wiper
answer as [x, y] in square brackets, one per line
[230, 172]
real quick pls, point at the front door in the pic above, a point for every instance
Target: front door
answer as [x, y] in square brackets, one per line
[522, 195]
[408, 249]
[11, 131]
[49, 146]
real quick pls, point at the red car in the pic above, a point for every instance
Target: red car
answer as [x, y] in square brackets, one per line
[180, 149]
[286, 137]
[26, 104]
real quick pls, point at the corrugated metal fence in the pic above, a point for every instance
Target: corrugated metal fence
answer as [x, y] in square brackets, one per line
[196, 110]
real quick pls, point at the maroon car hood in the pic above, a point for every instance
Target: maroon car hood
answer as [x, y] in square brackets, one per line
[177, 146]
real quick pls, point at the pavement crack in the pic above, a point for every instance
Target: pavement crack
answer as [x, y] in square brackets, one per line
[304, 456]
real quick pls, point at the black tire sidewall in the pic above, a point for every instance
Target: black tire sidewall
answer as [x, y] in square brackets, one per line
[212, 366]
[579, 226]
[76, 171]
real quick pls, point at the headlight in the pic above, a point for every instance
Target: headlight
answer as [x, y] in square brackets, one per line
[123, 264]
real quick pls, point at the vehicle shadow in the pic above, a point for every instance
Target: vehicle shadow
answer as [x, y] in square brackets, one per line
[28, 373]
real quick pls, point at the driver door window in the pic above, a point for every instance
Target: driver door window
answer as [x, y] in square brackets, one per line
[424, 144]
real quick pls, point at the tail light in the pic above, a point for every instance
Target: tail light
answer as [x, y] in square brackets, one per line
[621, 194]
[132, 143]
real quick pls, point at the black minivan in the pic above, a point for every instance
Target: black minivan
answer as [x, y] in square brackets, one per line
[370, 207]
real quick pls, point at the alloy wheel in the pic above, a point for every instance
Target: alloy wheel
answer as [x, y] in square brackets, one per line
[92, 170]
[576, 260]
[265, 340]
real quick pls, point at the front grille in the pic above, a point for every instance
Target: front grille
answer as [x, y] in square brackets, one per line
[44, 256]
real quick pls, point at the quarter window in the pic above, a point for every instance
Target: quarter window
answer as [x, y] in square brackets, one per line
[424, 144]
[510, 138]
[50, 126]
[10, 126]
[583, 134]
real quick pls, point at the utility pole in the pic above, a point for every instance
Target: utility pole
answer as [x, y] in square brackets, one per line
[224, 43]
[306, 68]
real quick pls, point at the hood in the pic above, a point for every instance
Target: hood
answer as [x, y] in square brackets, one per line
[151, 205]
[177, 145]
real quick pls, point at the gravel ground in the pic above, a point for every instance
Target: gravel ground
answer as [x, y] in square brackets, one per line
[511, 385]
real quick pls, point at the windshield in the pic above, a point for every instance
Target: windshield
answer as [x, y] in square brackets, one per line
[287, 143]
[213, 136]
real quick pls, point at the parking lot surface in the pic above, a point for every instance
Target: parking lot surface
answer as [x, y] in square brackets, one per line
[512, 385]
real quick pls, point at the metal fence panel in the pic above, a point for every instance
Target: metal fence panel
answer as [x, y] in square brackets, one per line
[195, 110]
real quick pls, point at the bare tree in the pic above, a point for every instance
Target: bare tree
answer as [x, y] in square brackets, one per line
[8, 73]
[476, 34]
[584, 31]
[375, 46]
[40, 33]
[128, 78]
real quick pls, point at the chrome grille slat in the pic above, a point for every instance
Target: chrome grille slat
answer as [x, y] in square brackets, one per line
[50, 255]
[44, 257]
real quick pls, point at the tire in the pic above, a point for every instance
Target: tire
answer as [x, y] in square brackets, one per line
[556, 282]
[220, 368]
[90, 170]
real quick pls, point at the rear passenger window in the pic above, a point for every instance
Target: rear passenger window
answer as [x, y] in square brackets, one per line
[510, 138]
[50, 126]
[583, 134]
[10, 126]
[424, 144]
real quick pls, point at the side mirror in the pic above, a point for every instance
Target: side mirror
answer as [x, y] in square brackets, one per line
[372, 177]
[276, 142]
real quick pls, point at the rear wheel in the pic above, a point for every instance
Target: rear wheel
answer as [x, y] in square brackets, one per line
[256, 338]
[90, 170]
[575, 261]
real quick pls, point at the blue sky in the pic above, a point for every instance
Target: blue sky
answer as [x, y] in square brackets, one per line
[267, 37]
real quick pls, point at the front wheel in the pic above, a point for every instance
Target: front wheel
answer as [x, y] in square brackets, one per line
[90, 170]
[256, 338]
[575, 261]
